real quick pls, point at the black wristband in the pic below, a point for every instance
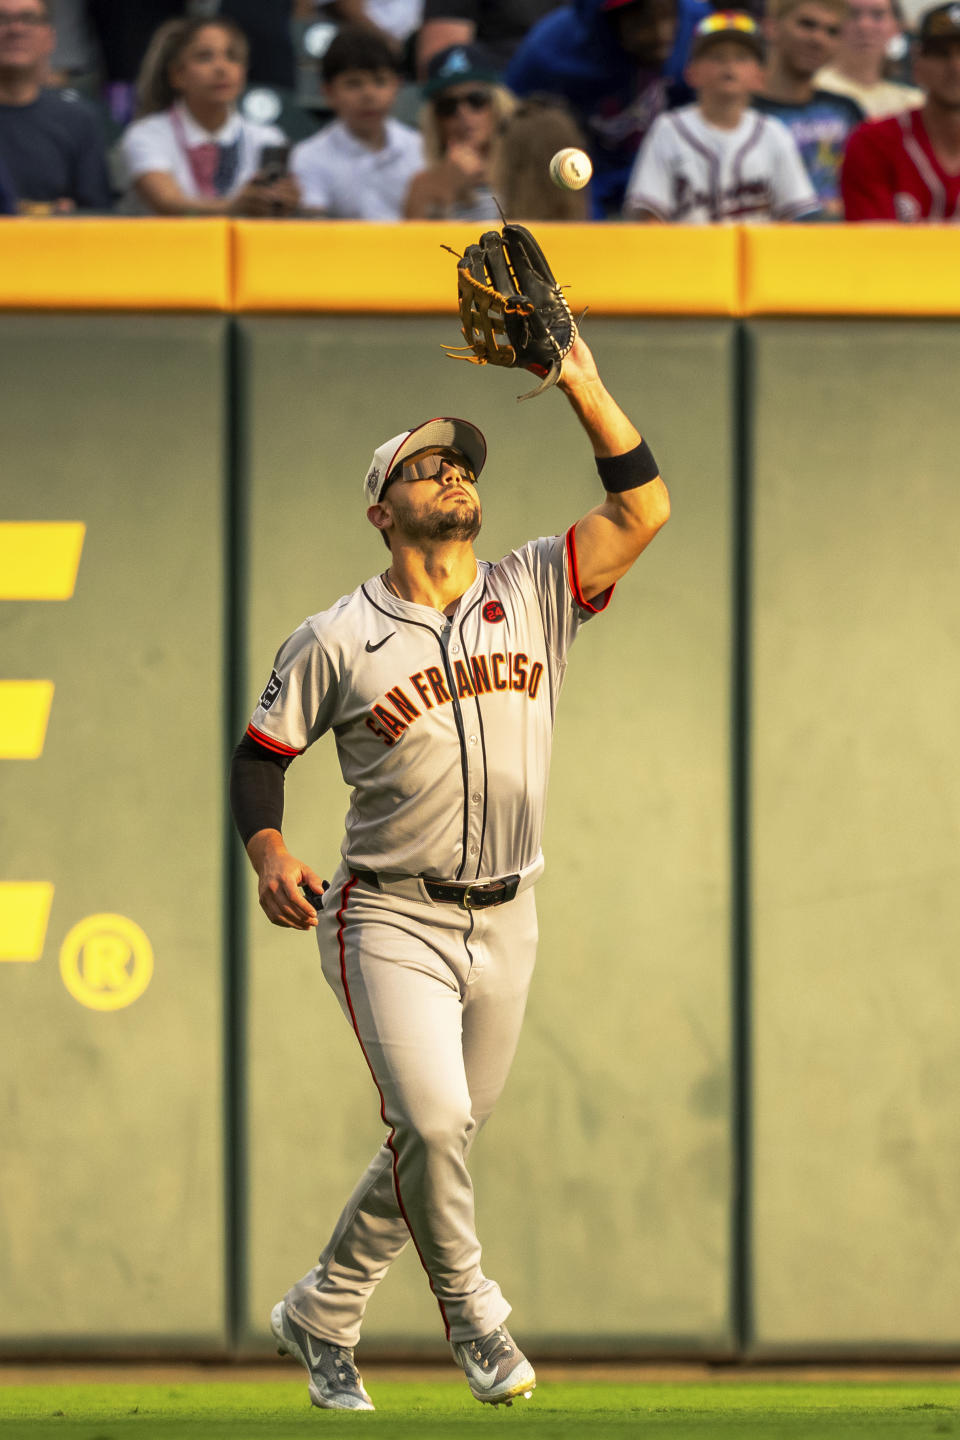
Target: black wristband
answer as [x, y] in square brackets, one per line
[627, 472]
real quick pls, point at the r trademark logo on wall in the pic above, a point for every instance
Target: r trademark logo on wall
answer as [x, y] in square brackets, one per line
[106, 962]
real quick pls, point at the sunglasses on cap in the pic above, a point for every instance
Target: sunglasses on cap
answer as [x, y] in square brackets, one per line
[723, 21]
[427, 466]
[447, 105]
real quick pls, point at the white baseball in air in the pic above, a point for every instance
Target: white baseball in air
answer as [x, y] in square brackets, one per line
[570, 168]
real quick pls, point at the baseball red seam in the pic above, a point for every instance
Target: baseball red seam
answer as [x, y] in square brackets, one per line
[341, 913]
[578, 594]
[268, 742]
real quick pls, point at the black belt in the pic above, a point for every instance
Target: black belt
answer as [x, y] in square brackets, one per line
[449, 892]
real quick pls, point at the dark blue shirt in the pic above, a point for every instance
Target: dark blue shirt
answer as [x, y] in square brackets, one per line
[52, 150]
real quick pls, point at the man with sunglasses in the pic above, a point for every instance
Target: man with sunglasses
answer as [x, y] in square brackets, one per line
[439, 678]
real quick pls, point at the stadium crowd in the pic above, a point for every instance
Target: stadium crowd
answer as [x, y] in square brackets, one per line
[385, 110]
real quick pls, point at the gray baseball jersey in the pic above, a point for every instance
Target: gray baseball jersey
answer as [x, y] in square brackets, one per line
[443, 724]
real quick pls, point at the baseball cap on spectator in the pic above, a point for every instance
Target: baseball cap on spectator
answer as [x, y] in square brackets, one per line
[939, 24]
[729, 25]
[458, 65]
[451, 434]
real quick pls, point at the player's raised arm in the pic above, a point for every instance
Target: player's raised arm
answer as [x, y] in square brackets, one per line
[610, 537]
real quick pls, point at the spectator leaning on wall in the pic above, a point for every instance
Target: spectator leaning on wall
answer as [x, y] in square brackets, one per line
[907, 167]
[192, 153]
[50, 144]
[719, 159]
[859, 69]
[359, 166]
[804, 36]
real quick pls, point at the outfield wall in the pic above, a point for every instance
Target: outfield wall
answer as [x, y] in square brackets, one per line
[730, 1127]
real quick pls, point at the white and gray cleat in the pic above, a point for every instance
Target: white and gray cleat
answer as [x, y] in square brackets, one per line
[496, 1368]
[335, 1382]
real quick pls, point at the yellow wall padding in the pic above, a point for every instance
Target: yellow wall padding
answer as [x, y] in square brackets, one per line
[114, 264]
[350, 266]
[335, 266]
[851, 270]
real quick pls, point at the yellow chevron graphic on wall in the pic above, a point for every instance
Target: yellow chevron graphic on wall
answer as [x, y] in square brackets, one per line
[39, 560]
[24, 712]
[24, 912]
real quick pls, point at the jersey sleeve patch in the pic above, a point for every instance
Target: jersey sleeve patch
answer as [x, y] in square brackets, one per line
[271, 691]
[596, 603]
[269, 743]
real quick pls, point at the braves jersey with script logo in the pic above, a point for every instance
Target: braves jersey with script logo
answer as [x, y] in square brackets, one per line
[890, 172]
[443, 724]
[689, 170]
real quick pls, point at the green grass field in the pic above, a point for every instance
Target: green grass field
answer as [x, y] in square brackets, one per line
[418, 1410]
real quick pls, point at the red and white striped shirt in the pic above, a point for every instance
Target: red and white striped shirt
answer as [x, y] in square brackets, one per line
[890, 172]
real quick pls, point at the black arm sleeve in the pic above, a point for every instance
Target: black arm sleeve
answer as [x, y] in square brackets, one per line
[256, 788]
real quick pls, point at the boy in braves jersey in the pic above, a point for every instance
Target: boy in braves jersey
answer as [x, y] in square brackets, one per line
[439, 679]
[907, 167]
[719, 159]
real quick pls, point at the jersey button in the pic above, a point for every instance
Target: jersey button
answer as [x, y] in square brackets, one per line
[455, 649]
[473, 739]
[474, 849]
[477, 799]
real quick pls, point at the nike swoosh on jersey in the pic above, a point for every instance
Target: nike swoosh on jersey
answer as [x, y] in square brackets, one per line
[371, 648]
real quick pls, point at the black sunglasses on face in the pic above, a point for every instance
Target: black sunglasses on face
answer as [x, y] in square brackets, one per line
[447, 105]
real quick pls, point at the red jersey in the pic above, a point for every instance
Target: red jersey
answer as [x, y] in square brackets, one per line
[891, 173]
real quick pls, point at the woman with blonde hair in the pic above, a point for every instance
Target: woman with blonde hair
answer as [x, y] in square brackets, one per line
[463, 113]
[190, 151]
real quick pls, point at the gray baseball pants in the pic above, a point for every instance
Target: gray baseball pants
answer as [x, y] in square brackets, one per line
[435, 995]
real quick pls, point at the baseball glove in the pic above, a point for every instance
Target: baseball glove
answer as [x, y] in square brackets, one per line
[512, 311]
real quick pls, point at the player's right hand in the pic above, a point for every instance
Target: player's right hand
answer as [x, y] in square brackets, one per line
[281, 874]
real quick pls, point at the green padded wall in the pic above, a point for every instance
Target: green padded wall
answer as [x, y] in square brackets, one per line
[604, 1177]
[856, 828]
[112, 1156]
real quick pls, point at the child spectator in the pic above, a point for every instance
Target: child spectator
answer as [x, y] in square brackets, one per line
[859, 69]
[719, 159]
[50, 145]
[359, 166]
[907, 167]
[805, 35]
[463, 114]
[537, 129]
[192, 153]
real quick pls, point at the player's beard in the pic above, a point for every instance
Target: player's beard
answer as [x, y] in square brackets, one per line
[460, 521]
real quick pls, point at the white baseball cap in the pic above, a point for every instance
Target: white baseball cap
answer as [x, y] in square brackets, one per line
[452, 434]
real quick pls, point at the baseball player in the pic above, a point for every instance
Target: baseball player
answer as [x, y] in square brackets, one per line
[719, 159]
[439, 679]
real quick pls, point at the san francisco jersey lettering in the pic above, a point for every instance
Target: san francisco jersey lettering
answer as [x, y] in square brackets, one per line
[443, 724]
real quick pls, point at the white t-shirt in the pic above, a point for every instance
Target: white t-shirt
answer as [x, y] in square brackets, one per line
[157, 143]
[886, 97]
[343, 177]
[692, 172]
[398, 17]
